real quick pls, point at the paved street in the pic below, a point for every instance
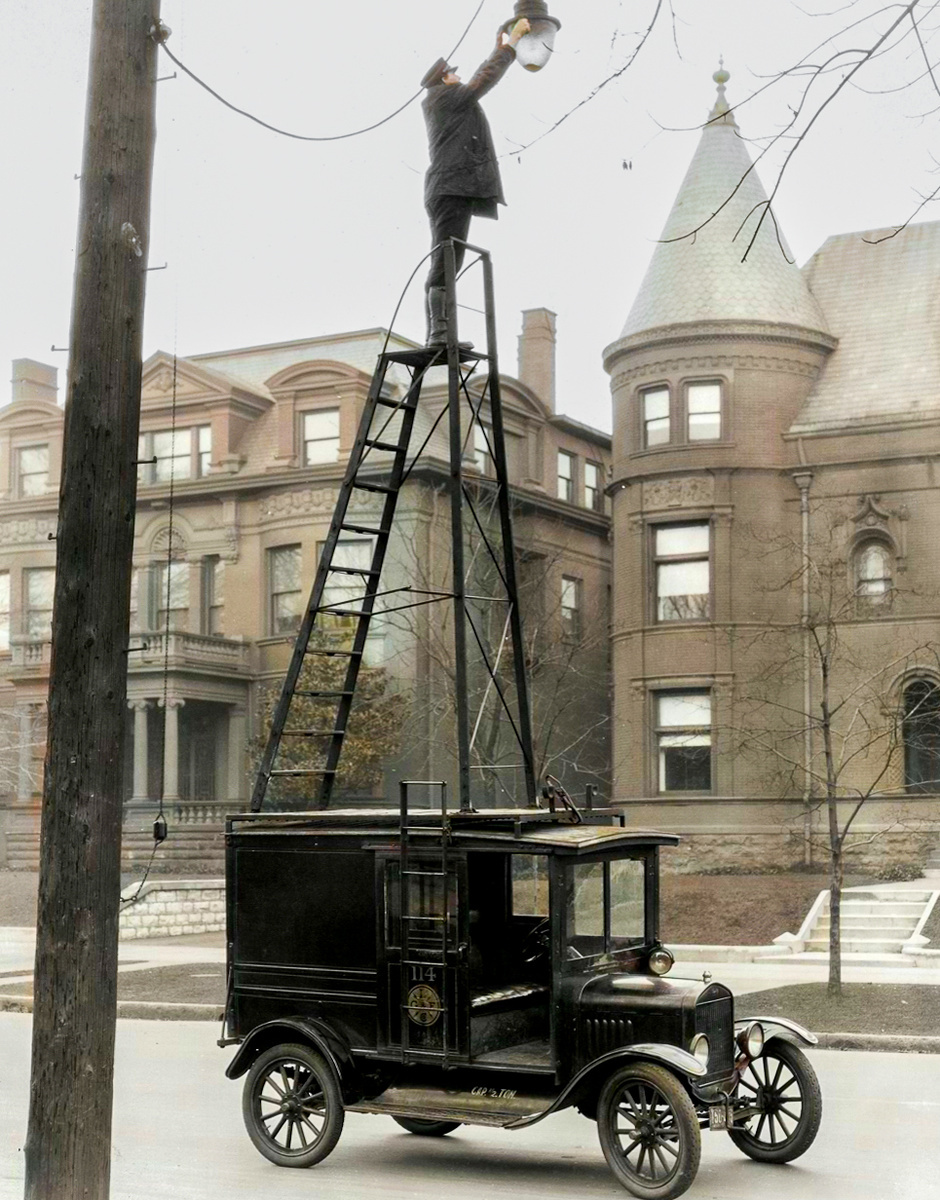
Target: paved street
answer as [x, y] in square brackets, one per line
[178, 1134]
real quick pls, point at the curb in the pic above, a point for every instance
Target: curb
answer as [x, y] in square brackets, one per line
[157, 1010]
[141, 1010]
[896, 1043]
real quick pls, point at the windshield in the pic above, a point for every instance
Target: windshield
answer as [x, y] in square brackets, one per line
[606, 908]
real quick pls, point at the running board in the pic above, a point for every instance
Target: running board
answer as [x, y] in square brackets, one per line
[482, 1105]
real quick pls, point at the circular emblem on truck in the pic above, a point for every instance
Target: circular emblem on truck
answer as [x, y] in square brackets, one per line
[424, 1005]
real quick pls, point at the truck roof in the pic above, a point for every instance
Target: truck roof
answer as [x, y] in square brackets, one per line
[525, 830]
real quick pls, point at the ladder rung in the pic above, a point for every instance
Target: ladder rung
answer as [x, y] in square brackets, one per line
[375, 444]
[374, 487]
[363, 529]
[437, 919]
[388, 402]
[336, 653]
[311, 732]
[328, 610]
[352, 571]
[321, 695]
[426, 874]
[307, 772]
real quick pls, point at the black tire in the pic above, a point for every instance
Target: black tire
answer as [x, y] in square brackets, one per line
[783, 1085]
[649, 1131]
[292, 1106]
[426, 1128]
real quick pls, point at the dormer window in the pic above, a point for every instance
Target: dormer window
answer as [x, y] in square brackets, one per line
[320, 436]
[703, 403]
[174, 454]
[656, 423]
[32, 470]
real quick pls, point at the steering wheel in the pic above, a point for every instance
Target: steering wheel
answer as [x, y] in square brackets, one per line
[537, 944]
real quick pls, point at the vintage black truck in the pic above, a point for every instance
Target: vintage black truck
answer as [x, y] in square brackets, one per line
[491, 968]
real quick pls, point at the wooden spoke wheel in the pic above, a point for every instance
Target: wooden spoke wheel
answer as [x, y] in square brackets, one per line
[783, 1089]
[292, 1106]
[649, 1131]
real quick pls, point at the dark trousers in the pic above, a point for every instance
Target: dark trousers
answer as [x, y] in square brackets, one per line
[450, 218]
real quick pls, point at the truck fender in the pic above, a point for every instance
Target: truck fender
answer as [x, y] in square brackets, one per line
[676, 1059]
[782, 1028]
[317, 1033]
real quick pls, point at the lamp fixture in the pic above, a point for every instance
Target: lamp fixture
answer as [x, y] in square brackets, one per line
[535, 48]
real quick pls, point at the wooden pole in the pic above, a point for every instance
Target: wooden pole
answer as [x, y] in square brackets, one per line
[68, 1143]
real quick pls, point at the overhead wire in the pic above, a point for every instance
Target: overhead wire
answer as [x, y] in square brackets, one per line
[162, 33]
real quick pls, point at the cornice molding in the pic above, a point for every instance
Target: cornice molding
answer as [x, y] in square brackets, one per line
[767, 332]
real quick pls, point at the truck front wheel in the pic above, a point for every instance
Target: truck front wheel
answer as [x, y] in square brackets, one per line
[783, 1092]
[292, 1106]
[649, 1131]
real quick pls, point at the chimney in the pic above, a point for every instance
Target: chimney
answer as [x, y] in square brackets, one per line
[34, 381]
[537, 354]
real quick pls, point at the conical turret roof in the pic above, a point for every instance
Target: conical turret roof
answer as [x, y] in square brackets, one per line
[701, 277]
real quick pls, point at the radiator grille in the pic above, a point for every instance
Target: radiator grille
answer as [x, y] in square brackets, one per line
[602, 1034]
[714, 1016]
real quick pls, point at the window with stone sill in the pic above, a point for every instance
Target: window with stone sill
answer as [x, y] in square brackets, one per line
[347, 591]
[482, 443]
[32, 470]
[683, 733]
[682, 572]
[213, 595]
[4, 611]
[593, 486]
[657, 423]
[286, 602]
[703, 411]
[921, 735]
[320, 431]
[571, 608]
[565, 469]
[873, 569]
[172, 598]
[38, 589]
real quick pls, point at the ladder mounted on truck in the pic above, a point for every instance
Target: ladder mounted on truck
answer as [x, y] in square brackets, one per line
[434, 948]
[380, 463]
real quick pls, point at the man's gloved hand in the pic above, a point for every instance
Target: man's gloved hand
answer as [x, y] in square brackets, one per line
[518, 31]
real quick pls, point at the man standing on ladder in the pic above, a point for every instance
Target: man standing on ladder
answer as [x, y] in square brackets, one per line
[463, 178]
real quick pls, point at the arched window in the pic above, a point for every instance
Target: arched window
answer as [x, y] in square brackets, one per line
[922, 736]
[873, 582]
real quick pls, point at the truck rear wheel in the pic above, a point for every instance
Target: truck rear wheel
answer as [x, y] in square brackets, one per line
[292, 1106]
[649, 1131]
[426, 1128]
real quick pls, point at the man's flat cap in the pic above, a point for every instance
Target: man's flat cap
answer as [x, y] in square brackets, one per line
[436, 74]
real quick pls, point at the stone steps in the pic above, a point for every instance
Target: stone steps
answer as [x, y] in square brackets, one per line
[199, 849]
[873, 924]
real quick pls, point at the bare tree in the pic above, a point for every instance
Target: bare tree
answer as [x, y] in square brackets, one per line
[823, 704]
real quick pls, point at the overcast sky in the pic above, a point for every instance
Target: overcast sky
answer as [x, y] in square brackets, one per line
[269, 239]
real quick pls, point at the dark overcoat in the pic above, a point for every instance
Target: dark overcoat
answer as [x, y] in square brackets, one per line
[463, 159]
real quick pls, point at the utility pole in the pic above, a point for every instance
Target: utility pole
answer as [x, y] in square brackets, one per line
[68, 1143]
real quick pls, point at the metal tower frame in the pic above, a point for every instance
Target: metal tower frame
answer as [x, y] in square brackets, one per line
[461, 364]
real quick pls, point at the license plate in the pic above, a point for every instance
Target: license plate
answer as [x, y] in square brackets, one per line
[718, 1117]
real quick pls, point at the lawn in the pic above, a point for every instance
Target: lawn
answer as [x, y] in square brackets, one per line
[736, 910]
[898, 1008]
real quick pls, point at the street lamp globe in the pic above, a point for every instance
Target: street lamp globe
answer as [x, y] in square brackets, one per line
[535, 49]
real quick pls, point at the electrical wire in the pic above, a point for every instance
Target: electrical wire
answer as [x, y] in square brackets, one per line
[302, 137]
